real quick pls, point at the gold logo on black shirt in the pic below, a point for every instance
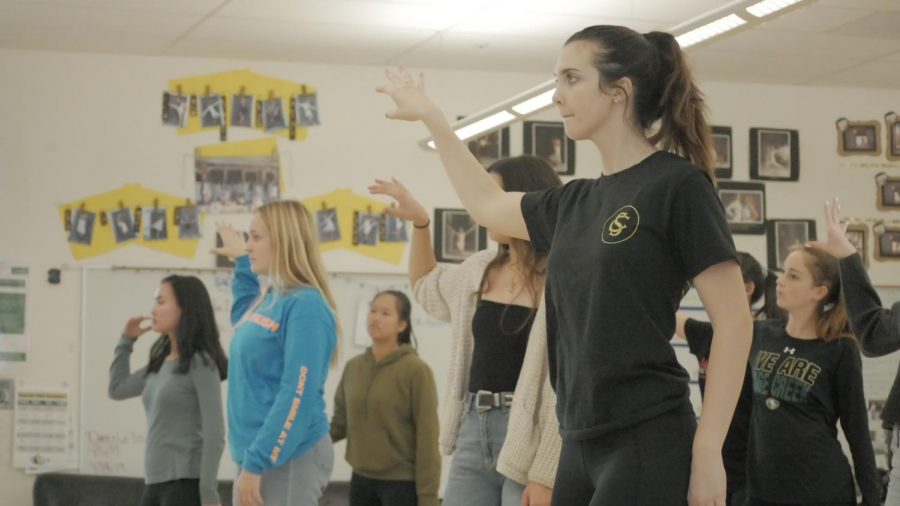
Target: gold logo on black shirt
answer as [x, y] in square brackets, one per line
[621, 226]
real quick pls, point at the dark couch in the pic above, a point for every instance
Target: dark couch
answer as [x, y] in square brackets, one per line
[62, 489]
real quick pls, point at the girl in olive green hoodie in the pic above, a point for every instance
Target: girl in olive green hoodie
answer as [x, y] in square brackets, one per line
[386, 407]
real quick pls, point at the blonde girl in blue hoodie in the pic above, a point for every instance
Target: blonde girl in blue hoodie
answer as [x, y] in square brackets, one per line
[284, 340]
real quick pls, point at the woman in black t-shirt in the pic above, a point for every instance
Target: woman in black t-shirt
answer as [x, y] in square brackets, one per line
[807, 376]
[621, 249]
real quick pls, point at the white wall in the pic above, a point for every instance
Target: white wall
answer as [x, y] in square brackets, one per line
[75, 125]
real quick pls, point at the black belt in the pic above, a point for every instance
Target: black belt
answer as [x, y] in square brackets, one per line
[486, 401]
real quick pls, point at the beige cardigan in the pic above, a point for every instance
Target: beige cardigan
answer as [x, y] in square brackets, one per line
[531, 449]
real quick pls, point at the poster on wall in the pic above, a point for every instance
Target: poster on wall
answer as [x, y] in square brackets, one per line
[43, 437]
[13, 310]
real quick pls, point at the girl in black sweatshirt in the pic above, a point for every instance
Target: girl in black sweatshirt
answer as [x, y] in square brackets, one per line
[807, 376]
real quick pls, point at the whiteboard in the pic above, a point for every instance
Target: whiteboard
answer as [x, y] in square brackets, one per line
[112, 433]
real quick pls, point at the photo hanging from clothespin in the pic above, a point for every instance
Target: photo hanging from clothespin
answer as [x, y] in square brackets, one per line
[82, 230]
[155, 225]
[242, 109]
[123, 223]
[365, 227]
[273, 113]
[307, 109]
[393, 229]
[188, 221]
[175, 109]
[327, 224]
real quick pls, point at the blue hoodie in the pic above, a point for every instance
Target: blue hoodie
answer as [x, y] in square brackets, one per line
[276, 372]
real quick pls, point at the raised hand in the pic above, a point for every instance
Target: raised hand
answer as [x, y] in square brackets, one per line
[408, 208]
[408, 93]
[836, 243]
[133, 328]
[233, 243]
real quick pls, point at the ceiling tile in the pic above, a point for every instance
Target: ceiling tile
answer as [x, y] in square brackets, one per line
[876, 74]
[709, 64]
[814, 18]
[874, 5]
[804, 45]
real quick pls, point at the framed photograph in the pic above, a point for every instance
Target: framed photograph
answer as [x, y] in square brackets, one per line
[306, 110]
[242, 110]
[774, 154]
[273, 115]
[212, 111]
[722, 143]
[858, 137]
[745, 206]
[328, 225]
[235, 184]
[365, 228]
[887, 244]
[892, 126]
[456, 235]
[123, 225]
[393, 229]
[155, 228]
[82, 229]
[174, 110]
[547, 140]
[783, 235]
[490, 147]
[858, 235]
[888, 198]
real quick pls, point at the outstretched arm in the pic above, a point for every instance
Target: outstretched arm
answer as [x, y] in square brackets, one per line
[878, 328]
[421, 252]
[481, 196]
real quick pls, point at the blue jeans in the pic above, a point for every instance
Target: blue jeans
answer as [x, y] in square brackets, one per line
[474, 480]
[300, 481]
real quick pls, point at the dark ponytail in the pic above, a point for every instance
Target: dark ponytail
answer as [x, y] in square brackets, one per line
[664, 89]
[683, 125]
[404, 314]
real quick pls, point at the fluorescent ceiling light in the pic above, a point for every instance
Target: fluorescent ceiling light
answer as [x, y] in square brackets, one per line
[481, 126]
[767, 7]
[710, 30]
[532, 104]
[484, 125]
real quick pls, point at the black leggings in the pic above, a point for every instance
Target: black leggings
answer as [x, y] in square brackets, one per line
[648, 464]
[172, 493]
[371, 492]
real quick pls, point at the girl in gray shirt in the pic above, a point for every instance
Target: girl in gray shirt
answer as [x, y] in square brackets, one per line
[180, 387]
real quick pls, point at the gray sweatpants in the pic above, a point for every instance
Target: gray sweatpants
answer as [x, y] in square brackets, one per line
[299, 482]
